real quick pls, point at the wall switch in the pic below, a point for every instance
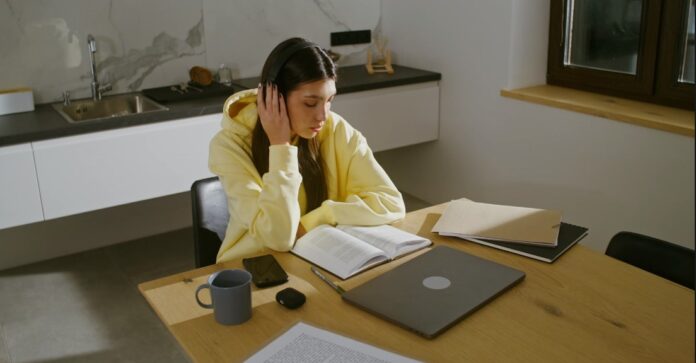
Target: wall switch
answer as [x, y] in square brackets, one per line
[351, 37]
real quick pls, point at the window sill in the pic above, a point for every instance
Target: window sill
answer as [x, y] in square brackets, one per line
[675, 120]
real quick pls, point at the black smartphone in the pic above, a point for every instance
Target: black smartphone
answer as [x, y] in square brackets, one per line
[265, 271]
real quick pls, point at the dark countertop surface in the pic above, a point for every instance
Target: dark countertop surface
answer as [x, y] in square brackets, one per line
[45, 123]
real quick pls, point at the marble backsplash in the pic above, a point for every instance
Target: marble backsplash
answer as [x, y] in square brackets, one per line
[151, 43]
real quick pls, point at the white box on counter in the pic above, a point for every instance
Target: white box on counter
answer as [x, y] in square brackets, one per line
[16, 100]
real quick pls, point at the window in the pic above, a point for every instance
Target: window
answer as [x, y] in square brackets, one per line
[640, 49]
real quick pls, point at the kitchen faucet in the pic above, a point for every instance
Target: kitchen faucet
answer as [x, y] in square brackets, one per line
[96, 88]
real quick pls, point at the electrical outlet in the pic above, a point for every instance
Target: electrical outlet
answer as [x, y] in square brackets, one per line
[351, 37]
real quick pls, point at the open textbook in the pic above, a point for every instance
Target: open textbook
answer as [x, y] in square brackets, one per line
[346, 250]
[467, 219]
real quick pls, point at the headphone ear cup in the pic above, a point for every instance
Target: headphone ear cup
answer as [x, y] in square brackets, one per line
[275, 69]
[273, 73]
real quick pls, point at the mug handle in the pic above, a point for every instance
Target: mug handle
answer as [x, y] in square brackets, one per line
[204, 286]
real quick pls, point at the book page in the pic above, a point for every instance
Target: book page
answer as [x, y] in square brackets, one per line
[393, 241]
[337, 252]
[305, 343]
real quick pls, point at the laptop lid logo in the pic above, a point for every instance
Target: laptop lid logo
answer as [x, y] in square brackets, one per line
[436, 282]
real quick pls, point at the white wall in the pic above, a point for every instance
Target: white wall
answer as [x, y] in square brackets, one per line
[603, 174]
[152, 43]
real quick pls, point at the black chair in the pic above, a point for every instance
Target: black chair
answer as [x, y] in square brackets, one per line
[210, 218]
[665, 259]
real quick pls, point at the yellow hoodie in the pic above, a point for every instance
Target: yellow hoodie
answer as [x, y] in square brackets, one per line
[265, 210]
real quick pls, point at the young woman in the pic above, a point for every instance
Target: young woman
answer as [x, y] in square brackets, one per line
[289, 164]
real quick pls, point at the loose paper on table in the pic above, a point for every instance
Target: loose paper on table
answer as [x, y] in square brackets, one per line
[305, 343]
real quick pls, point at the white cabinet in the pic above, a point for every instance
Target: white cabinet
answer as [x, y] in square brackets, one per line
[104, 169]
[20, 202]
[393, 117]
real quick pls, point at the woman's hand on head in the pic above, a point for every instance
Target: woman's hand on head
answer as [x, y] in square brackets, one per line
[273, 114]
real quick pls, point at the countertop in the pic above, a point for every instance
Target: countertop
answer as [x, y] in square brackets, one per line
[45, 123]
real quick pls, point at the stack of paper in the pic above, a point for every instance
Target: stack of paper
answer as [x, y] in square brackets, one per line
[467, 219]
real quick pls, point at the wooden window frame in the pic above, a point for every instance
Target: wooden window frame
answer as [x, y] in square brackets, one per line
[657, 65]
[667, 89]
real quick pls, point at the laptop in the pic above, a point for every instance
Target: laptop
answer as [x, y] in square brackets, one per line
[435, 290]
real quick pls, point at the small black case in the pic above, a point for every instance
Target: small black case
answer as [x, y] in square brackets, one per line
[290, 298]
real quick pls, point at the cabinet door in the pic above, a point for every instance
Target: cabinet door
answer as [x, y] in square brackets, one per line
[393, 117]
[104, 169]
[20, 202]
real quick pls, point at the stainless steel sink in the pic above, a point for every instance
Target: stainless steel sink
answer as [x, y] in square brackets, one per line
[107, 107]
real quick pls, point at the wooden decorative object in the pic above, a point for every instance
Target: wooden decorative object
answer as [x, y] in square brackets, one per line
[383, 64]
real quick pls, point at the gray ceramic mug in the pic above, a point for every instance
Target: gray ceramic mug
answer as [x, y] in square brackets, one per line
[230, 292]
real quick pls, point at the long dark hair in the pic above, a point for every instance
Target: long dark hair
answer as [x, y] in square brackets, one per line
[308, 64]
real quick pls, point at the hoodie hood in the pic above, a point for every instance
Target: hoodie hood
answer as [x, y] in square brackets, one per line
[239, 113]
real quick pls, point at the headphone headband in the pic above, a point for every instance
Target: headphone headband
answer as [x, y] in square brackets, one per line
[284, 56]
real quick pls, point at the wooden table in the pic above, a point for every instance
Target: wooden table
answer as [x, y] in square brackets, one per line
[585, 307]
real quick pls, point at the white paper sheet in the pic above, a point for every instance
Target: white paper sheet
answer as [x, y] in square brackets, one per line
[305, 343]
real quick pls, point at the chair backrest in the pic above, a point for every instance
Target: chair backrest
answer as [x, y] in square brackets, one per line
[665, 259]
[210, 218]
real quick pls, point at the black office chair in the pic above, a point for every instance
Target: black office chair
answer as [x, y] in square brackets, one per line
[210, 218]
[665, 259]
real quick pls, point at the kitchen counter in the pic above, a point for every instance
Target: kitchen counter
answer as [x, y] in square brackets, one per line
[45, 123]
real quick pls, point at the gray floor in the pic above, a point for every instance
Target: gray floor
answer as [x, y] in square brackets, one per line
[86, 307]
